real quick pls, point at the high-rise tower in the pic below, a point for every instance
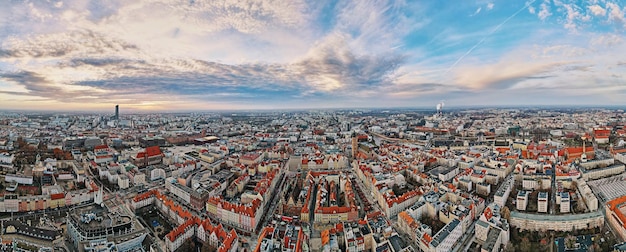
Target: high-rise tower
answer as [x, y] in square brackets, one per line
[355, 145]
[117, 112]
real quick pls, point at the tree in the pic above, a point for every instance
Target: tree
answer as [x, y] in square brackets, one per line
[207, 248]
[525, 245]
[510, 247]
[574, 185]
[505, 213]
[58, 153]
[570, 241]
[580, 206]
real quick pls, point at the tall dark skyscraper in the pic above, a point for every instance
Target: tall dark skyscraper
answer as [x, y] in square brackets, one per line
[117, 112]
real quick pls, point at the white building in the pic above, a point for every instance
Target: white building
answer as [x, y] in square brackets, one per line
[491, 229]
[529, 183]
[102, 156]
[522, 200]
[6, 158]
[179, 190]
[602, 172]
[615, 213]
[446, 238]
[493, 241]
[536, 182]
[542, 202]
[481, 229]
[502, 194]
[587, 195]
[20, 179]
[416, 211]
[564, 222]
[157, 174]
[565, 202]
[501, 172]
[123, 182]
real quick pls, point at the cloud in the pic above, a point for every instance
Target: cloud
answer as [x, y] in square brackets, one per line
[616, 14]
[597, 10]
[358, 54]
[71, 44]
[575, 15]
[375, 26]
[333, 66]
[574, 69]
[572, 15]
[198, 29]
[606, 41]
[39, 86]
[544, 11]
[501, 75]
[423, 90]
[328, 67]
[477, 11]
[249, 52]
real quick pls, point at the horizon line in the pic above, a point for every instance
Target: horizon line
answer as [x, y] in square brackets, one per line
[427, 108]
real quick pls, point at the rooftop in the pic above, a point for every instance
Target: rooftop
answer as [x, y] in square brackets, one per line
[443, 233]
[556, 218]
[492, 238]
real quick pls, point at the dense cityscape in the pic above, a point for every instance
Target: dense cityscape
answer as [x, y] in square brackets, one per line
[312, 125]
[483, 179]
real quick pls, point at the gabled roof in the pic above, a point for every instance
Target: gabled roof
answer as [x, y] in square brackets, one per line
[228, 243]
[177, 231]
[426, 238]
[150, 152]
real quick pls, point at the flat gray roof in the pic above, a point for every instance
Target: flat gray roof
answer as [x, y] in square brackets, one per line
[555, 218]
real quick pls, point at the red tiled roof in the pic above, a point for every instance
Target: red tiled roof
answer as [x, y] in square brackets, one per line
[403, 197]
[177, 231]
[145, 195]
[407, 218]
[266, 230]
[150, 152]
[250, 156]
[153, 151]
[614, 205]
[100, 147]
[228, 242]
[488, 213]
[602, 133]
[426, 238]
[57, 196]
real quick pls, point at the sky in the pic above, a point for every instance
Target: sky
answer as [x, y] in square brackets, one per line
[174, 55]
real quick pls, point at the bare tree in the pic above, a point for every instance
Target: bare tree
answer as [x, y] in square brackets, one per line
[525, 245]
[505, 213]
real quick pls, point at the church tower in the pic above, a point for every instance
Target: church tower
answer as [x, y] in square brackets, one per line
[98, 198]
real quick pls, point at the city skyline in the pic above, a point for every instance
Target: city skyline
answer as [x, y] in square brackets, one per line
[209, 55]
